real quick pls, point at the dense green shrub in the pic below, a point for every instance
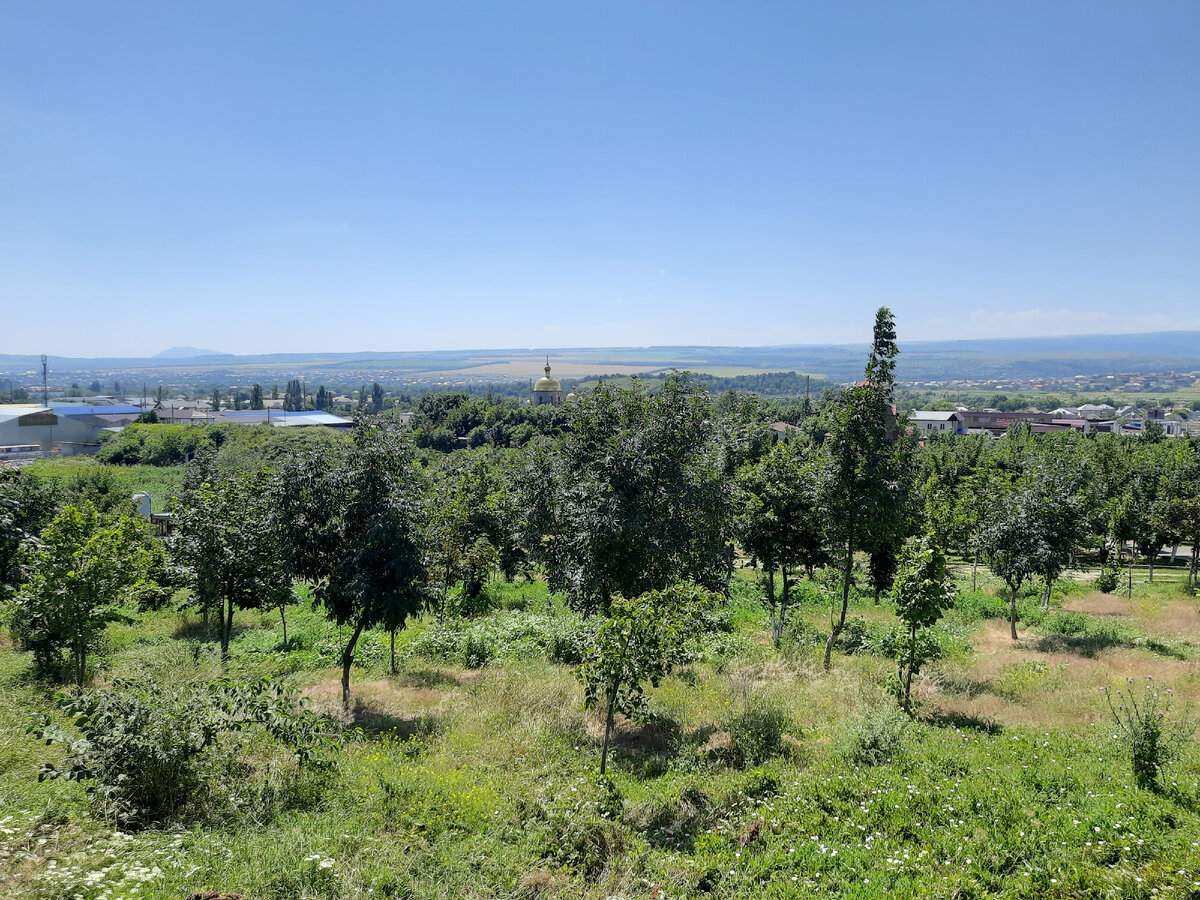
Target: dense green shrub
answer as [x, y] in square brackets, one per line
[579, 828]
[757, 730]
[1107, 580]
[155, 754]
[877, 734]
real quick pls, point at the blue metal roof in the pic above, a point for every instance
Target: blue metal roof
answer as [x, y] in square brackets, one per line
[83, 409]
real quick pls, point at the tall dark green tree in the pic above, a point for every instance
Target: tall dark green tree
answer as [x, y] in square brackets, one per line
[322, 401]
[293, 396]
[256, 397]
[350, 519]
[864, 480]
[376, 398]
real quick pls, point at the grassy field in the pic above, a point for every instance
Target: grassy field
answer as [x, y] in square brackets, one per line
[470, 772]
[162, 483]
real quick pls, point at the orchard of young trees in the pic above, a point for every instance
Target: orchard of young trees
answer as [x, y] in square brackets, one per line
[740, 631]
[628, 492]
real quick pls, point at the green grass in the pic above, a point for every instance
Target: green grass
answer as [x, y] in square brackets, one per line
[480, 782]
[162, 483]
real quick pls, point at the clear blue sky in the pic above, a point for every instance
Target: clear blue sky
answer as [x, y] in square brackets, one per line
[271, 176]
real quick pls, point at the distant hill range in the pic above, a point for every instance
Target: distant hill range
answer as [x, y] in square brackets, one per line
[919, 360]
[187, 353]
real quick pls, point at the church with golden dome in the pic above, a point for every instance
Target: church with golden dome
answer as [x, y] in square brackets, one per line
[547, 389]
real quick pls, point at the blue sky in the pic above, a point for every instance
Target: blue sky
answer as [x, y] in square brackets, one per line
[298, 176]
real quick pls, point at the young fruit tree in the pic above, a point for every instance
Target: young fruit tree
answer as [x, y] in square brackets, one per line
[921, 592]
[778, 522]
[640, 641]
[81, 573]
[225, 543]
[350, 518]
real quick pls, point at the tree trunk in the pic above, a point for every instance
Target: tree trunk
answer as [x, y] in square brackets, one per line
[80, 655]
[974, 566]
[283, 619]
[608, 723]
[771, 606]
[836, 627]
[1045, 604]
[1152, 559]
[912, 656]
[783, 605]
[393, 649]
[226, 629]
[1012, 611]
[347, 661]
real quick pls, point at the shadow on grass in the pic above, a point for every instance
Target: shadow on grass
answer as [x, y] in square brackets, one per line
[1090, 646]
[963, 722]
[426, 677]
[646, 750]
[964, 687]
[374, 722]
[206, 632]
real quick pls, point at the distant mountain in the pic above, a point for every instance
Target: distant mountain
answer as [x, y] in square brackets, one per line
[187, 353]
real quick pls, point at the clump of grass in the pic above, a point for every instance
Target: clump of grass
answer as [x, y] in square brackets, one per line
[877, 734]
[1148, 731]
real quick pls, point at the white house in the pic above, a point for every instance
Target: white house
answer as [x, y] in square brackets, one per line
[925, 421]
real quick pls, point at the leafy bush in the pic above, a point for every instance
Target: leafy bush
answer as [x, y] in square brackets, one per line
[1150, 735]
[1107, 580]
[509, 634]
[756, 732]
[157, 754]
[476, 651]
[877, 734]
[580, 829]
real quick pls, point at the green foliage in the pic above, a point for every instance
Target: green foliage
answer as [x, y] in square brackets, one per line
[758, 729]
[877, 734]
[157, 754]
[80, 573]
[640, 642]
[921, 593]
[581, 829]
[1148, 731]
[1108, 580]
[225, 541]
[350, 524]
[27, 504]
[865, 490]
[778, 520]
[634, 497]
